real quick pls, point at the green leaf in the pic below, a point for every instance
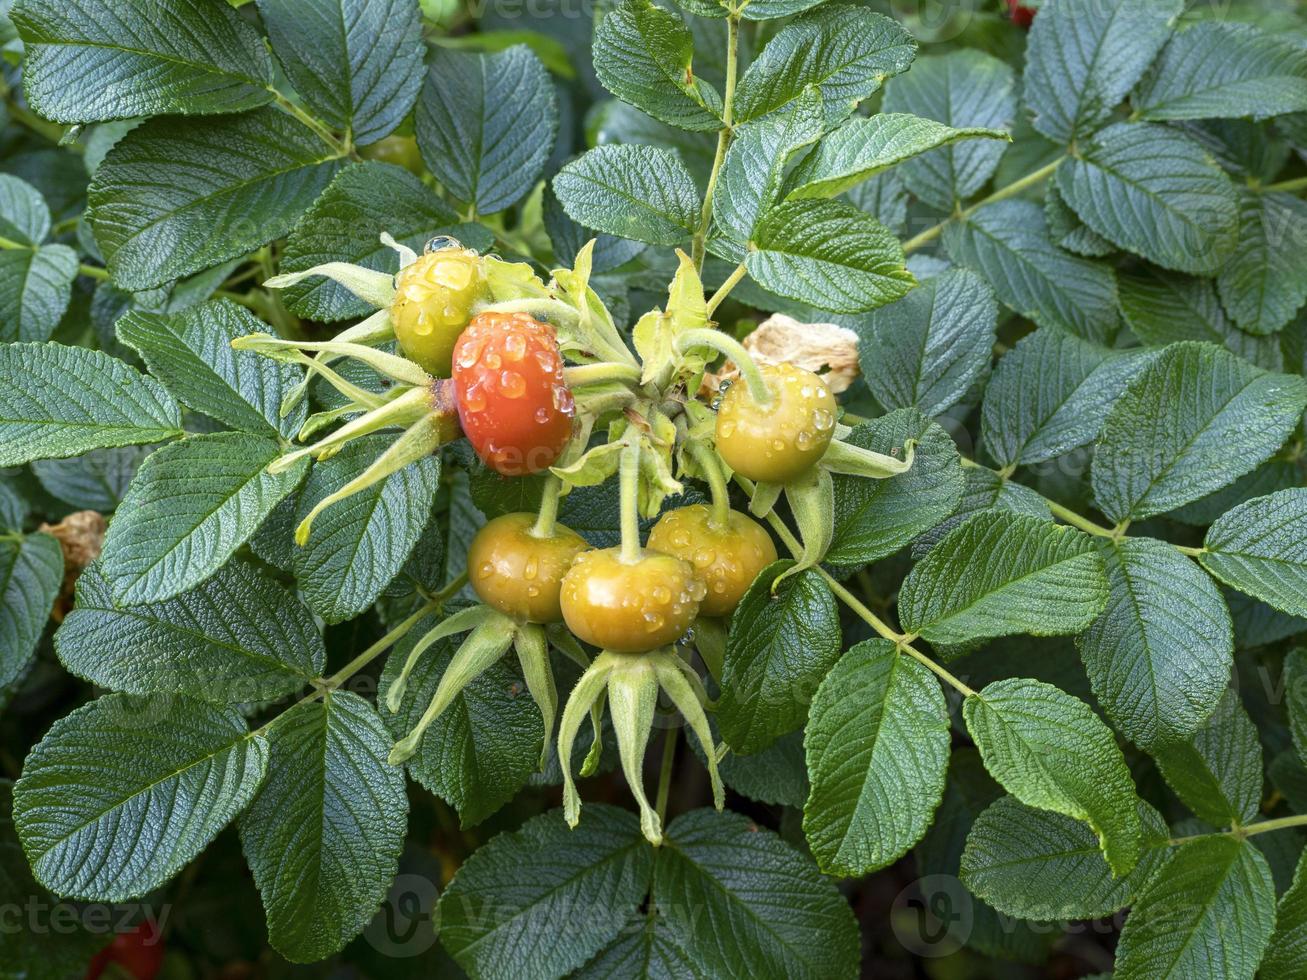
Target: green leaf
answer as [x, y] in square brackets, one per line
[35, 287]
[32, 569]
[1008, 244]
[191, 353]
[483, 749]
[1159, 657]
[1000, 574]
[644, 949]
[237, 638]
[1286, 957]
[773, 9]
[356, 63]
[778, 650]
[866, 145]
[1224, 71]
[964, 88]
[772, 913]
[875, 518]
[642, 54]
[846, 51]
[631, 191]
[1048, 396]
[877, 743]
[1260, 547]
[172, 198]
[830, 255]
[754, 168]
[345, 225]
[983, 490]
[1036, 864]
[929, 348]
[192, 504]
[1052, 752]
[1083, 60]
[122, 793]
[24, 216]
[1162, 308]
[486, 124]
[545, 872]
[1209, 917]
[1194, 420]
[777, 775]
[88, 61]
[57, 402]
[324, 834]
[97, 480]
[359, 544]
[1218, 772]
[1265, 282]
[1155, 192]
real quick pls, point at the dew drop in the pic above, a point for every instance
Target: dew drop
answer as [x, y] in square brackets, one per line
[512, 384]
[486, 569]
[514, 347]
[662, 595]
[474, 399]
[493, 361]
[653, 622]
[726, 429]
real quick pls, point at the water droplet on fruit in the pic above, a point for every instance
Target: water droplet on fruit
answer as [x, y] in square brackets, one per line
[512, 384]
[804, 440]
[531, 569]
[492, 360]
[563, 400]
[474, 399]
[486, 570]
[514, 347]
[822, 419]
[542, 415]
[532, 591]
[726, 429]
[653, 622]
[662, 595]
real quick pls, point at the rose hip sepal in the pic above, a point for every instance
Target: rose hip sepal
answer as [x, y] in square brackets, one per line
[515, 408]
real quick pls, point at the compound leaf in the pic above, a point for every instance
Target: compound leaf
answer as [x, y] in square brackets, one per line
[1260, 547]
[631, 191]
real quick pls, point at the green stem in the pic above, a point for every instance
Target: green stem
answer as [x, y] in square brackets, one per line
[1011, 190]
[697, 248]
[604, 371]
[724, 290]
[733, 349]
[902, 642]
[548, 516]
[1288, 186]
[665, 773]
[630, 490]
[312, 122]
[712, 471]
[1068, 516]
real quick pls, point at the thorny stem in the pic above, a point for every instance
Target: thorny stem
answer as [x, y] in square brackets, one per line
[630, 489]
[902, 642]
[548, 516]
[1011, 190]
[723, 137]
[733, 349]
[724, 290]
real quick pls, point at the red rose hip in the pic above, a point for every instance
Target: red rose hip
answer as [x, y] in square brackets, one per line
[514, 406]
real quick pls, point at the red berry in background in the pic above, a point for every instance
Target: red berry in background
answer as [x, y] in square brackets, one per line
[515, 408]
[1022, 15]
[138, 952]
